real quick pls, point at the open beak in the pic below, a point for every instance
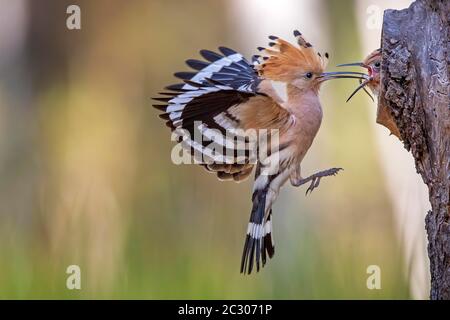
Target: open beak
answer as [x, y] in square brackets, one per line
[362, 84]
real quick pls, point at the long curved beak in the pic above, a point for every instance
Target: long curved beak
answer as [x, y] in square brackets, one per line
[353, 64]
[342, 75]
[362, 84]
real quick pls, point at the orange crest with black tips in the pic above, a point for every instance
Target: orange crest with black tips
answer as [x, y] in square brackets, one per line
[286, 62]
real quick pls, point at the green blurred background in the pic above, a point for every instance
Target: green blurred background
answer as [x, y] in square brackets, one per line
[86, 175]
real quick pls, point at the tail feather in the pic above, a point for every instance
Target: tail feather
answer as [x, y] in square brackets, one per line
[268, 240]
[257, 247]
[258, 242]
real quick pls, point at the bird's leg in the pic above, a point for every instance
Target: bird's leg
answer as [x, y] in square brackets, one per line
[296, 176]
[315, 178]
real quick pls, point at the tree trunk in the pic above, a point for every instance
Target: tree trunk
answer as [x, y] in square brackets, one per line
[415, 89]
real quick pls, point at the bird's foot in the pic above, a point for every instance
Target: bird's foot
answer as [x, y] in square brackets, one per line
[315, 178]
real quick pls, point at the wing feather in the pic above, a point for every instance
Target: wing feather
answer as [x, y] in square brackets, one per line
[222, 94]
[225, 80]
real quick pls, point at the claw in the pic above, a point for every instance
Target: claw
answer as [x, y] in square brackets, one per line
[314, 184]
[315, 179]
[308, 190]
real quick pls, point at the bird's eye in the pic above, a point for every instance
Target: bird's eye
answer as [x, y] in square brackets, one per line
[377, 64]
[309, 75]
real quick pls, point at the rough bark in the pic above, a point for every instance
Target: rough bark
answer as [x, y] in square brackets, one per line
[415, 89]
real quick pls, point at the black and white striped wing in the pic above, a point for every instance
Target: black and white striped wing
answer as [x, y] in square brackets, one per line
[202, 106]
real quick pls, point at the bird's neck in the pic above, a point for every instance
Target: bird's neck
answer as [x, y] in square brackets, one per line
[301, 101]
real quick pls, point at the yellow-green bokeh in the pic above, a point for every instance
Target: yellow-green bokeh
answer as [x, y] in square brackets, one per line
[86, 176]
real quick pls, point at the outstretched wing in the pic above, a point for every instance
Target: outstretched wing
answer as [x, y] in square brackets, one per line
[209, 106]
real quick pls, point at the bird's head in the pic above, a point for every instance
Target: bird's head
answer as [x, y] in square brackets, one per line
[300, 66]
[373, 65]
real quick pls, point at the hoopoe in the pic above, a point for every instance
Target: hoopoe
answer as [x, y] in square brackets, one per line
[227, 93]
[373, 65]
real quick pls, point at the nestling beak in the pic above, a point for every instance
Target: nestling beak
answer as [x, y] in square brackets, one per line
[362, 84]
[353, 64]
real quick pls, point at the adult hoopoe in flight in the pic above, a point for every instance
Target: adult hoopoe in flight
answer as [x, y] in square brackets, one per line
[373, 65]
[226, 94]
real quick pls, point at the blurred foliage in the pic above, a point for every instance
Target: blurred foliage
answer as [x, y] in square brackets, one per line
[87, 177]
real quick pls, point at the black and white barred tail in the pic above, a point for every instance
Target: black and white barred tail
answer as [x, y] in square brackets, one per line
[258, 241]
[258, 245]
